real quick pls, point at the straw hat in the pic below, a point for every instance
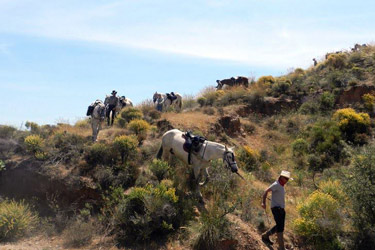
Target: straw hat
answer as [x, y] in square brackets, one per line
[286, 174]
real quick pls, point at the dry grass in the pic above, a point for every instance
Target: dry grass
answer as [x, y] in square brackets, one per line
[190, 121]
[82, 131]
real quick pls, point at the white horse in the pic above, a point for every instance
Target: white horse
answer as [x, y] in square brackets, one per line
[172, 143]
[168, 102]
[124, 102]
[121, 103]
[97, 117]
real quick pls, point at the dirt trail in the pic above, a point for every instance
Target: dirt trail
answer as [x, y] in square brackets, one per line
[247, 236]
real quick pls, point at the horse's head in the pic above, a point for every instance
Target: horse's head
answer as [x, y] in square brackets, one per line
[155, 96]
[219, 85]
[229, 159]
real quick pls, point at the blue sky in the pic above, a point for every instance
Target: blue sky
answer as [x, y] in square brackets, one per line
[56, 57]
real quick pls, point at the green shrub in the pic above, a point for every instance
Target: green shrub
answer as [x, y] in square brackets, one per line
[100, 154]
[358, 72]
[7, 132]
[211, 228]
[33, 127]
[16, 218]
[309, 108]
[34, 145]
[79, 233]
[351, 122]
[360, 187]
[300, 147]
[337, 61]
[139, 128]
[248, 158]
[2, 165]
[84, 123]
[130, 113]
[68, 147]
[188, 102]
[369, 102]
[159, 168]
[335, 189]
[325, 138]
[265, 81]
[232, 96]
[202, 101]
[281, 86]
[210, 96]
[327, 101]
[146, 212]
[126, 146]
[320, 221]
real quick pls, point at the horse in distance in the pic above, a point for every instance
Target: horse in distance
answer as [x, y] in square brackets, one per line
[167, 100]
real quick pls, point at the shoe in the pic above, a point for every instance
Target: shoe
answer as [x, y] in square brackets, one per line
[266, 240]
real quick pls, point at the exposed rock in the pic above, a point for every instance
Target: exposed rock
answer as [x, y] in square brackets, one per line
[163, 126]
[230, 124]
[26, 180]
[354, 94]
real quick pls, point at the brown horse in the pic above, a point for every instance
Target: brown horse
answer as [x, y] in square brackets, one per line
[233, 81]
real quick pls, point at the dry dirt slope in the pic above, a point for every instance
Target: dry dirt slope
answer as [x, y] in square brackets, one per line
[246, 236]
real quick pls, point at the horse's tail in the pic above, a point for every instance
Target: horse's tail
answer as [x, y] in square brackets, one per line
[160, 152]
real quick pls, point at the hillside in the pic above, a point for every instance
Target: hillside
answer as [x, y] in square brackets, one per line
[67, 192]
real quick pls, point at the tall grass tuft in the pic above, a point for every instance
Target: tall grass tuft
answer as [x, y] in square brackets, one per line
[16, 219]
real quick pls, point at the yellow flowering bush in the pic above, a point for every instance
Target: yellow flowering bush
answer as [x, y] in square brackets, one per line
[265, 81]
[335, 189]
[319, 219]
[15, 219]
[248, 158]
[34, 143]
[336, 61]
[369, 101]
[350, 122]
[139, 126]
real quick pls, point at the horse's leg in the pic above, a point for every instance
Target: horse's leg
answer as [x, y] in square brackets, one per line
[94, 129]
[197, 184]
[206, 177]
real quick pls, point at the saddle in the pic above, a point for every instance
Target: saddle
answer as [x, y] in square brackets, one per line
[192, 144]
[171, 96]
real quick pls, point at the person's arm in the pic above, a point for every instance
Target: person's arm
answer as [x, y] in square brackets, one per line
[265, 197]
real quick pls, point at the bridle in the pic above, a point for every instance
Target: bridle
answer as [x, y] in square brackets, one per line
[229, 154]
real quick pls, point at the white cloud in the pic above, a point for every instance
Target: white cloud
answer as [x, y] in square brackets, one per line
[275, 42]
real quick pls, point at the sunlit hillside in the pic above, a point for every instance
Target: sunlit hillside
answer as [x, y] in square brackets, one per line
[61, 190]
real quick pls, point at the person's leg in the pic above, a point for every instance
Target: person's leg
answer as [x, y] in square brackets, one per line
[108, 112]
[280, 224]
[273, 230]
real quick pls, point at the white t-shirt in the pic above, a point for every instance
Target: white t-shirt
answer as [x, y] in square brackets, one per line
[278, 195]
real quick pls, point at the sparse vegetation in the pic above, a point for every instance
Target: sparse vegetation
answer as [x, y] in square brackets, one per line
[16, 219]
[310, 121]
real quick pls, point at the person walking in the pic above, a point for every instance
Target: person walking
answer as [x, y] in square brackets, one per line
[111, 103]
[277, 208]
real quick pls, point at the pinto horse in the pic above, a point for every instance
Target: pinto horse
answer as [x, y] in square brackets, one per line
[168, 102]
[233, 81]
[172, 143]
